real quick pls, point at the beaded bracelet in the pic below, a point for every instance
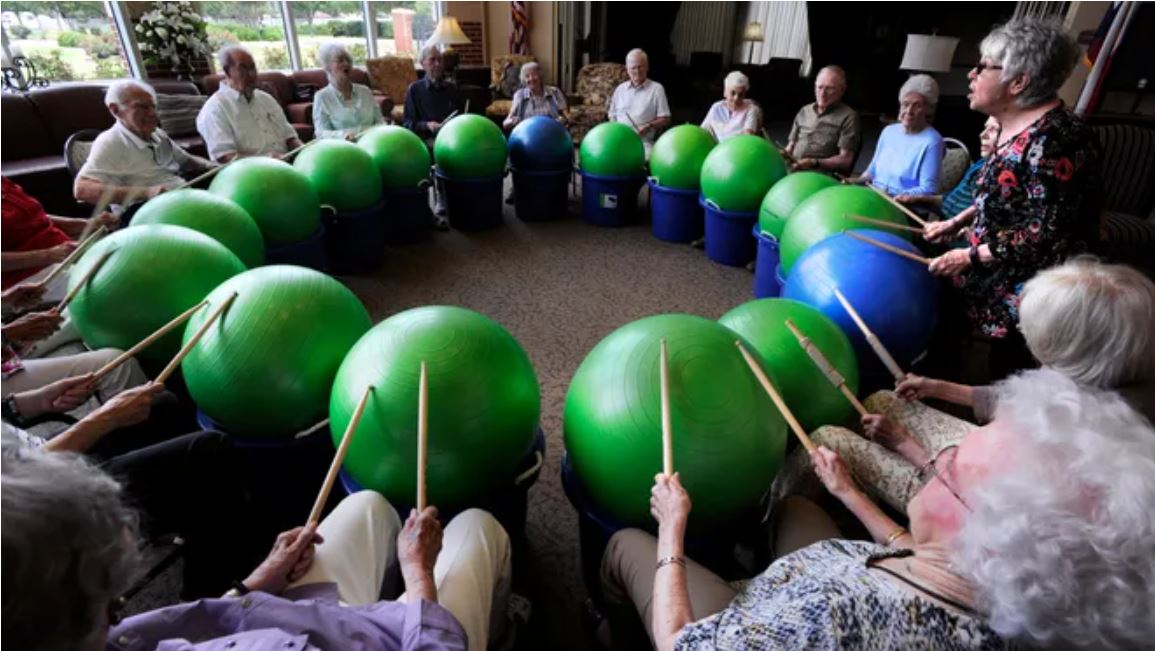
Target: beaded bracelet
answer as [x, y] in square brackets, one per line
[671, 560]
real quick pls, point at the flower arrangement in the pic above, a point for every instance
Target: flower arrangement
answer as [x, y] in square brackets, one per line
[172, 32]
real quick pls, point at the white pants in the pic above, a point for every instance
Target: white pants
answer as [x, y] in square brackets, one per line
[41, 372]
[472, 572]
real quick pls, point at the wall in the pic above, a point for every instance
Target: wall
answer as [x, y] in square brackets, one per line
[1081, 16]
[542, 33]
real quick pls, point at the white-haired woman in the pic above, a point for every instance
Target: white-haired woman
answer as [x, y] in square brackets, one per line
[908, 157]
[1035, 530]
[342, 109]
[733, 115]
[1038, 196]
[535, 98]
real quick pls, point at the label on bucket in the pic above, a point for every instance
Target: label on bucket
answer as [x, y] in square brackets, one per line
[609, 201]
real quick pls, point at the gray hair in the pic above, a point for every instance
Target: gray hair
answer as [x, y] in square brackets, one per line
[1060, 538]
[426, 52]
[117, 92]
[638, 53]
[525, 68]
[1092, 322]
[330, 51]
[225, 57]
[736, 80]
[923, 85]
[1041, 50]
[69, 548]
[838, 70]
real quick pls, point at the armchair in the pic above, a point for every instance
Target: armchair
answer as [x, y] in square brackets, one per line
[502, 102]
[595, 85]
[392, 76]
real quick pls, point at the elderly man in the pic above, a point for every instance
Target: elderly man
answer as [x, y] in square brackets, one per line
[240, 120]
[429, 103]
[135, 159]
[640, 102]
[826, 134]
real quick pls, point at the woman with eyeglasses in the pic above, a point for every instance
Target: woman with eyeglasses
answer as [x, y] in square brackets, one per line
[1033, 531]
[342, 109]
[1038, 197]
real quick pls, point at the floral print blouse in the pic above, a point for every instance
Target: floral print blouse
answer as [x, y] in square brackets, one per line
[1038, 200]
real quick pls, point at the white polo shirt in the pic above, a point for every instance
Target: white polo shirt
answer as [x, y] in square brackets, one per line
[120, 157]
[229, 123]
[641, 104]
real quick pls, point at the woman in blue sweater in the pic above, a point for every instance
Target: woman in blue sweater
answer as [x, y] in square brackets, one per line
[908, 157]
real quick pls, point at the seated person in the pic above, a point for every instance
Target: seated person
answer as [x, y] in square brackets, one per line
[34, 241]
[734, 115]
[241, 120]
[826, 135]
[429, 103]
[342, 109]
[134, 160]
[908, 156]
[961, 198]
[1022, 535]
[640, 101]
[318, 588]
[535, 98]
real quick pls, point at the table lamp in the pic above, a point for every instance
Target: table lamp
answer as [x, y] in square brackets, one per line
[448, 33]
[928, 53]
[752, 34]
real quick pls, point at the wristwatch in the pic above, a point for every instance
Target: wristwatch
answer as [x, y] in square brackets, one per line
[976, 261]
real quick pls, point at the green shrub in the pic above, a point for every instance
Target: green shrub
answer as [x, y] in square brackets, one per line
[275, 58]
[111, 68]
[70, 39]
[273, 33]
[384, 29]
[358, 52]
[52, 67]
[347, 28]
[19, 32]
[220, 36]
[101, 46]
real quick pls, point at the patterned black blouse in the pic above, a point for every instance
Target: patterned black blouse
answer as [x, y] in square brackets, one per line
[1038, 200]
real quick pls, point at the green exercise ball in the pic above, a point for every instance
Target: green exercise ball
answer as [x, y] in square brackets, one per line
[402, 158]
[265, 369]
[153, 274]
[613, 149]
[738, 173]
[217, 217]
[483, 407]
[677, 157]
[728, 438]
[806, 390]
[826, 212]
[470, 147]
[343, 174]
[279, 198]
[785, 196]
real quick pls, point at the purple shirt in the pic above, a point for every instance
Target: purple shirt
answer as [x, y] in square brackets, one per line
[307, 618]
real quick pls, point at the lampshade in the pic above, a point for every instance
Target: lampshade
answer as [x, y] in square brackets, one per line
[928, 53]
[448, 32]
[753, 33]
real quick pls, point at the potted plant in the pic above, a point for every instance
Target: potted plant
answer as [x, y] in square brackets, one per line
[173, 33]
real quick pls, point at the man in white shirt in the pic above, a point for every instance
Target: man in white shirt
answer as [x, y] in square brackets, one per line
[241, 120]
[640, 102]
[133, 160]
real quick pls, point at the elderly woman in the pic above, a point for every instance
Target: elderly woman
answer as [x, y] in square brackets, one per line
[1090, 321]
[908, 156]
[734, 115]
[1037, 198]
[535, 98]
[1034, 530]
[958, 203]
[342, 109]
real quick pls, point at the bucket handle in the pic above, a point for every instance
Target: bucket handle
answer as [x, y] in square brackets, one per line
[329, 208]
[711, 204]
[532, 470]
[653, 179]
[424, 184]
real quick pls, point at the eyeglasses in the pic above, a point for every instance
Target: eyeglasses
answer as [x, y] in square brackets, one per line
[941, 467]
[980, 66]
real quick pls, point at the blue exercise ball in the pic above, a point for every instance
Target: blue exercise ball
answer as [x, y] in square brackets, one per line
[897, 298]
[540, 144]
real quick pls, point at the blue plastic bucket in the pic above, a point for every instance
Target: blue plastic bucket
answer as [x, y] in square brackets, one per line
[766, 267]
[780, 276]
[407, 214]
[676, 214]
[610, 200]
[728, 238]
[309, 252]
[541, 196]
[355, 240]
[473, 204]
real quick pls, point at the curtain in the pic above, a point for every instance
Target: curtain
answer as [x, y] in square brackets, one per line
[518, 35]
[703, 27]
[787, 34]
[1044, 10]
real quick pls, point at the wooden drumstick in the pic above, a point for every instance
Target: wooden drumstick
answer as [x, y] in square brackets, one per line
[83, 281]
[204, 177]
[826, 367]
[422, 437]
[339, 457]
[871, 339]
[667, 426]
[778, 401]
[148, 341]
[909, 213]
[885, 224]
[74, 256]
[887, 247]
[192, 342]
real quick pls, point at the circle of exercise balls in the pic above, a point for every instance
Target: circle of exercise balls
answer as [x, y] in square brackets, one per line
[279, 198]
[540, 144]
[154, 273]
[265, 369]
[814, 400]
[677, 158]
[825, 213]
[728, 438]
[470, 147]
[613, 149]
[483, 409]
[896, 297]
[205, 212]
[786, 195]
[738, 172]
[344, 175]
[402, 159]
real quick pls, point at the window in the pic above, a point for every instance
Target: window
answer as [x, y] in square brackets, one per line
[66, 41]
[323, 22]
[256, 26]
[402, 27]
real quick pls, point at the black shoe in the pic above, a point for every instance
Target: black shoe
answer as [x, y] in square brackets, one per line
[509, 200]
[699, 243]
[750, 266]
[440, 223]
